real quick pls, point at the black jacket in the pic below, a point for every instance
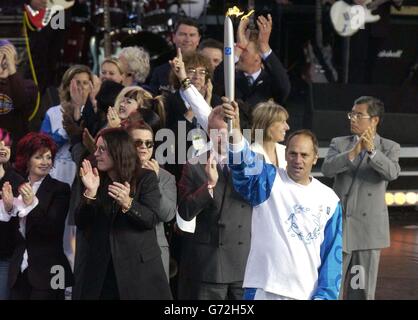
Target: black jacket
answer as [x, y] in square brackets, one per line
[8, 229]
[44, 237]
[129, 239]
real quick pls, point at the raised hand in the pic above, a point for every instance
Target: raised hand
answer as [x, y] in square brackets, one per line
[153, 165]
[25, 190]
[264, 27]
[367, 139]
[121, 193]
[9, 56]
[113, 119]
[356, 150]
[242, 35]
[178, 67]
[88, 141]
[209, 90]
[90, 178]
[7, 196]
[211, 170]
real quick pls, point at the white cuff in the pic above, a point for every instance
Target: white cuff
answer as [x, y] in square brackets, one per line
[20, 209]
[266, 55]
[237, 147]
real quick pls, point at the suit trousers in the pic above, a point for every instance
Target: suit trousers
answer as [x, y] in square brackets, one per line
[23, 290]
[360, 269]
[200, 290]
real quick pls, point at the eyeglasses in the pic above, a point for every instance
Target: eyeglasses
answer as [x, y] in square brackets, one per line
[101, 149]
[357, 116]
[200, 72]
[148, 143]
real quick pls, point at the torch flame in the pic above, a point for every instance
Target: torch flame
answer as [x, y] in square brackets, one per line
[234, 11]
[247, 15]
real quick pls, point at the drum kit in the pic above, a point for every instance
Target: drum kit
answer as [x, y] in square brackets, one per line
[145, 23]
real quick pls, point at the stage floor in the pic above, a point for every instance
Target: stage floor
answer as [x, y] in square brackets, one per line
[398, 274]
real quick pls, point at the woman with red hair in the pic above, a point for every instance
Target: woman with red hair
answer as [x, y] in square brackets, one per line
[39, 268]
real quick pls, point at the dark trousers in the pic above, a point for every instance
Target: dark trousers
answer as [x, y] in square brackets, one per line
[199, 290]
[23, 290]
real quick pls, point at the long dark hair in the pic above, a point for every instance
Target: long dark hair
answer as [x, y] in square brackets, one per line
[122, 150]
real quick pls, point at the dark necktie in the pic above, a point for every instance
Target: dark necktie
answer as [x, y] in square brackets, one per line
[250, 81]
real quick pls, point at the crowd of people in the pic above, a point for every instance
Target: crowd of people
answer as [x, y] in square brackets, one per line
[138, 190]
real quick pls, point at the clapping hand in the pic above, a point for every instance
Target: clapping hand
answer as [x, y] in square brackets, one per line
[90, 178]
[367, 139]
[7, 196]
[113, 119]
[153, 165]
[25, 190]
[121, 193]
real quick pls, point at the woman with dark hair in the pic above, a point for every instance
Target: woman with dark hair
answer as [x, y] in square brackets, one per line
[39, 249]
[9, 179]
[143, 137]
[117, 217]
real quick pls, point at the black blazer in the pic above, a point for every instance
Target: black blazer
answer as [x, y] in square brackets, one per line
[44, 236]
[129, 239]
[159, 78]
[273, 82]
[218, 249]
[8, 229]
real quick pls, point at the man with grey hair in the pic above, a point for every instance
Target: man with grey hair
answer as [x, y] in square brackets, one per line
[362, 165]
[213, 258]
[136, 63]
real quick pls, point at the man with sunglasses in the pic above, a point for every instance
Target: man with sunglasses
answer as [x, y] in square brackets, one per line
[362, 165]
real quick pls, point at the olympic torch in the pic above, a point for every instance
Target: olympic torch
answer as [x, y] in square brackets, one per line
[229, 63]
[229, 56]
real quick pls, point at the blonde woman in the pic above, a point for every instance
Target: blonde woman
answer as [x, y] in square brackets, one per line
[269, 128]
[131, 99]
[112, 69]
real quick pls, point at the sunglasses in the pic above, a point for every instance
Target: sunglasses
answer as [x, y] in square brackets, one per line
[148, 143]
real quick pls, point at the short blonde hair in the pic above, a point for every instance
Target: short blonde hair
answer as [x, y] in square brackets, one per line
[264, 115]
[116, 62]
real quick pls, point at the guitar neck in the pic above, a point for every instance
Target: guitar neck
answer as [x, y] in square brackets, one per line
[106, 25]
[318, 23]
[377, 3]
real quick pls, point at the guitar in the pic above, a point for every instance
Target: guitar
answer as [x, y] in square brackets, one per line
[40, 18]
[320, 68]
[107, 47]
[348, 19]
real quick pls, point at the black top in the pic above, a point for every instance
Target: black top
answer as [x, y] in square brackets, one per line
[8, 229]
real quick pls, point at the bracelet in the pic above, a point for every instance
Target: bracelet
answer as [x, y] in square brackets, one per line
[129, 206]
[186, 83]
[88, 197]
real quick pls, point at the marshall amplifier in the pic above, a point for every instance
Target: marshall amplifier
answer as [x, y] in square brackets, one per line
[397, 60]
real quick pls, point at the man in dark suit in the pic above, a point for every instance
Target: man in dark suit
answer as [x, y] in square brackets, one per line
[260, 75]
[186, 37]
[362, 165]
[214, 256]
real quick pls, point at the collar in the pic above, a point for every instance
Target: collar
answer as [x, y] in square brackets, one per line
[253, 75]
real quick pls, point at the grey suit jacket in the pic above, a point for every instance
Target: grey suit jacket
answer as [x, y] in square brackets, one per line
[168, 204]
[365, 219]
[218, 249]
